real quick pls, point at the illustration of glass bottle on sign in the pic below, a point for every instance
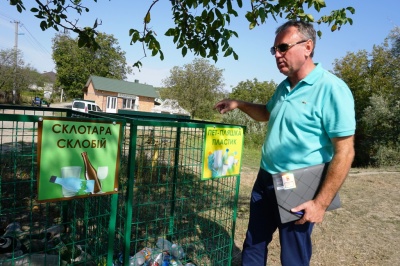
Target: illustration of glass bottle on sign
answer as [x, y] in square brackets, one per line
[73, 185]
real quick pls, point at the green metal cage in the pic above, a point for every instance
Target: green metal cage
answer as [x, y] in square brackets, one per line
[160, 196]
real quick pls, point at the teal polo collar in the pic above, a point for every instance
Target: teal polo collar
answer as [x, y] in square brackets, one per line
[310, 79]
[314, 75]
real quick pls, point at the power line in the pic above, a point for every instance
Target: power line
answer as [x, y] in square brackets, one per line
[30, 38]
[36, 41]
[7, 18]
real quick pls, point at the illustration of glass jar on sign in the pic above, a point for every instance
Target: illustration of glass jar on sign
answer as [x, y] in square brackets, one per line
[91, 173]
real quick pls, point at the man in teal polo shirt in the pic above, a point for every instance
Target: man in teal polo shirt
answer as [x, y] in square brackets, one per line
[311, 121]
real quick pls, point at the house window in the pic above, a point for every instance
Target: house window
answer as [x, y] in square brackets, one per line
[111, 102]
[128, 103]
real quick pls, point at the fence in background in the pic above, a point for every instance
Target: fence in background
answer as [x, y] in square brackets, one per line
[160, 196]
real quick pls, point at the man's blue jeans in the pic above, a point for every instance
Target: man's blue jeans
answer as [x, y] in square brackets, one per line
[295, 240]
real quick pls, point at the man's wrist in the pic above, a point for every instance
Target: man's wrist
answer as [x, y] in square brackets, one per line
[322, 204]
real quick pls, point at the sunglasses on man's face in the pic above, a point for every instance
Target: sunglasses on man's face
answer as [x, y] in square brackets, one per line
[283, 47]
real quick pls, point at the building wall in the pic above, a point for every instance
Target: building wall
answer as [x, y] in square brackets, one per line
[146, 104]
[100, 97]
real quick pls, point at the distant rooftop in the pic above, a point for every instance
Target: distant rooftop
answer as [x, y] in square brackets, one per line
[122, 86]
[171, 107]
[51, 76]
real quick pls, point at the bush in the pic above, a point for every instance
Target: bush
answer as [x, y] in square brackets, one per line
[255, 131]
[386, 156]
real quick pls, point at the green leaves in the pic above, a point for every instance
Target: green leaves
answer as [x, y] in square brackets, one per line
[74, 65]
[147, 18]
[149, 41]
[138, 65]
[201, 27]
[196, 86]
[43, 25]
[203, 32]
[135, 35]
[373, 80]
[337, 18]
[318, 4]
[351, 9]
[184, 51]
[298, 10]
[18, 4]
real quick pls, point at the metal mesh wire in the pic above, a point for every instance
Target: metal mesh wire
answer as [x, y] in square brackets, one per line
[161, 195]
[46, 233]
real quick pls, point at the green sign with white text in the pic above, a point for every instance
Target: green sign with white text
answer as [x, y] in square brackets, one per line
[77, 158]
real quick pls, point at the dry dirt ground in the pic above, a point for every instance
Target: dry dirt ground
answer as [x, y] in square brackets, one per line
[365, 231]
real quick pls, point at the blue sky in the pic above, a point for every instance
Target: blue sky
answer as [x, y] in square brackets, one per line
[373, 22]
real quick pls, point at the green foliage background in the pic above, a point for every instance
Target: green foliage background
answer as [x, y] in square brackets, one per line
[256, 92]
[373, 78]
[196, 86]
[15, 74]
[75, 65]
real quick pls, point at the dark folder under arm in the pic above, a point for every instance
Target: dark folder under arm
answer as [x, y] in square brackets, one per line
[295, 187]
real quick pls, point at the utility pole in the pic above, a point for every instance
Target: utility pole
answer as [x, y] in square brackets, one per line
[15, 61]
